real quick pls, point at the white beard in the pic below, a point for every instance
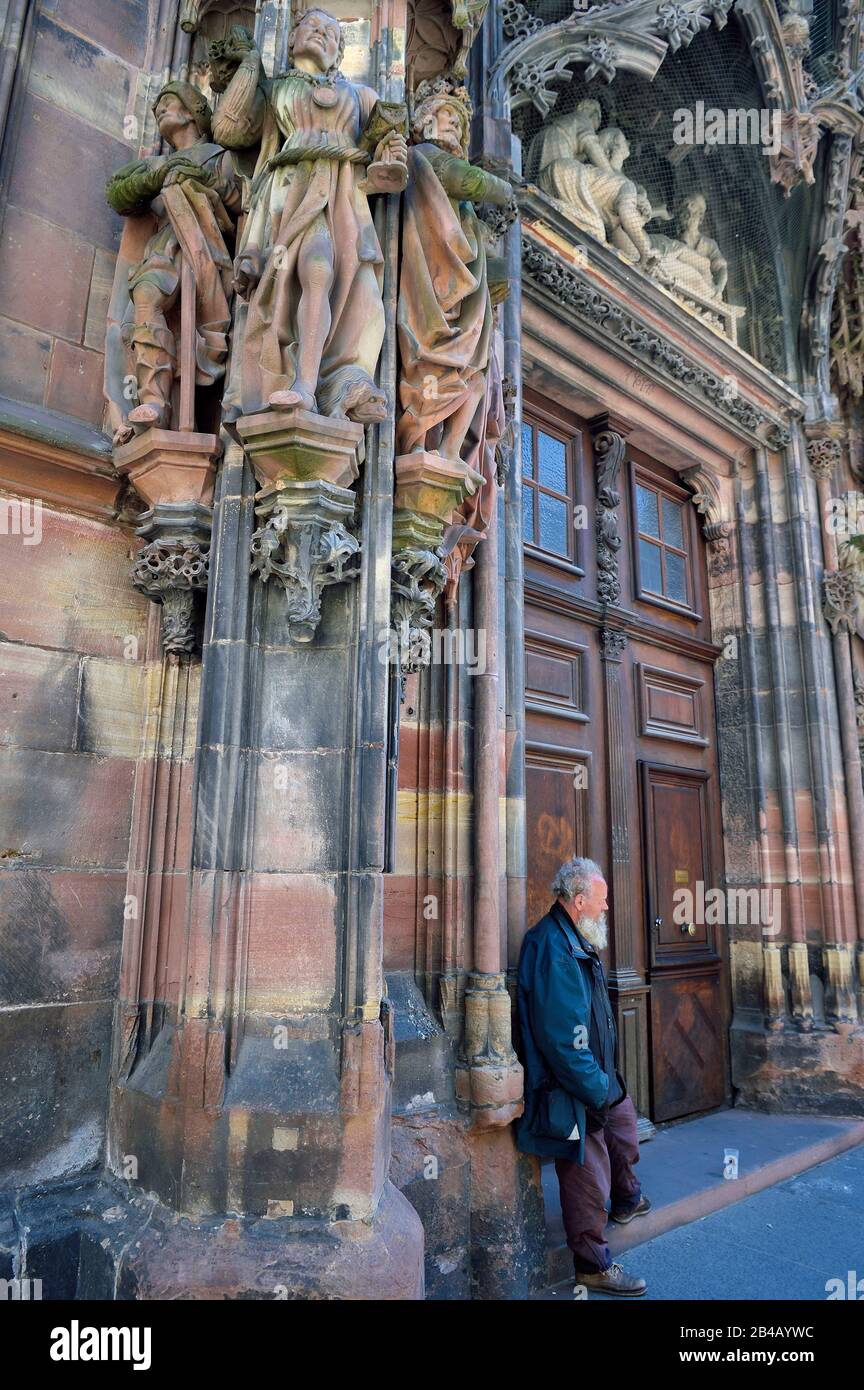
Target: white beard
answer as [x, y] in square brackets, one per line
[595, 931]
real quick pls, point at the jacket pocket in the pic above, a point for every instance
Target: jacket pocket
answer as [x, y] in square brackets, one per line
[558, 1113]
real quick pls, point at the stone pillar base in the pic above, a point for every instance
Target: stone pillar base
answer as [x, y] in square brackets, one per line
[489, 1080]
[818, 1072]
[122, 1246]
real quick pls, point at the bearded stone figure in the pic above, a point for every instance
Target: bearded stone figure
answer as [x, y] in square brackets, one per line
[310, 264]
[692, 261]
[445, 311]
[194, 196]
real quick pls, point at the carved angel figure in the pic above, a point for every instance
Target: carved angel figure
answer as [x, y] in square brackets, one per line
[194, 195]
[310, 264]
[445, 313]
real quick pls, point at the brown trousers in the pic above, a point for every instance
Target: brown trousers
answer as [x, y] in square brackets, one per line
[610, 1155]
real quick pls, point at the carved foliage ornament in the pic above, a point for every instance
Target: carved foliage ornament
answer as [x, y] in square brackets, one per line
[823, 456]
[567, 287]
[608, 454]
[842, 593]
[169, 571]
[304, 556]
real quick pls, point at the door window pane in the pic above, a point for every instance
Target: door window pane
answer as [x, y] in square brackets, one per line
[673, 523]
[552, 458]
[553, 524]
[649, 566]
[646, 504]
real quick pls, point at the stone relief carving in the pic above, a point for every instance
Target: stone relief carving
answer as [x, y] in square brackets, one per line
[568, 287]
[580, 165]
[823, 456]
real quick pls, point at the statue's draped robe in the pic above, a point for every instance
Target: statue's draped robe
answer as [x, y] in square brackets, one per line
[564, 171]
[292, 203]
[192, 222]
[444, 315]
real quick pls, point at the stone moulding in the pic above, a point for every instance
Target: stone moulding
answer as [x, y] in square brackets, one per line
[568, 286]
[174, 474]
[305, 465]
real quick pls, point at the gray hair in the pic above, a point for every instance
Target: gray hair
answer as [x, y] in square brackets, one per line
[574, 877]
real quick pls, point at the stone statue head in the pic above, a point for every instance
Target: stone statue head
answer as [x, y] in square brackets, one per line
[178, 104]
[692, 210]
[442, 114]
[614, 142]
[591, 110]
[318, 36]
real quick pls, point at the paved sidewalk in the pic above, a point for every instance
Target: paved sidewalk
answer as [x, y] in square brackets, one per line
[681, 1170]
[785, 1243]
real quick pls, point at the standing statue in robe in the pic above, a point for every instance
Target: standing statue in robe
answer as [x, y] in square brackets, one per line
[194, 195]
[445, 313]
[310, 264]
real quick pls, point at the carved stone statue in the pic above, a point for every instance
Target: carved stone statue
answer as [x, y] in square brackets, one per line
[445, 313]
[194, 196]
[581, 166]
[310, 263]
[692, 261]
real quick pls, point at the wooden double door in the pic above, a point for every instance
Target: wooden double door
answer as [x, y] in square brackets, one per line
[621, 767]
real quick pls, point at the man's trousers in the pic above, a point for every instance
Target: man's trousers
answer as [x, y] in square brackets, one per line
[610, 1155]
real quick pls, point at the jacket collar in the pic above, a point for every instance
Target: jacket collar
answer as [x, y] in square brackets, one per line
[560, 917]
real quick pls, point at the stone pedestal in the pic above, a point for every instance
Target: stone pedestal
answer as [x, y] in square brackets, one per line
[429, 488]
[174, 473]
[305, 464]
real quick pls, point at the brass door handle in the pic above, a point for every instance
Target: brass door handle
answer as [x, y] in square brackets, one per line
[688, 929]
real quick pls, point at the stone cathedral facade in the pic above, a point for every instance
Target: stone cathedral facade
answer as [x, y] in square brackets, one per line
[430, 447]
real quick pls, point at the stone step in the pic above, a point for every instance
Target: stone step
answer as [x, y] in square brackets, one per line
[681, 1170]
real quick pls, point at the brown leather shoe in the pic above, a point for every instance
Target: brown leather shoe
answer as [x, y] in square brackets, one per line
[623, 1217]
[614, 1280]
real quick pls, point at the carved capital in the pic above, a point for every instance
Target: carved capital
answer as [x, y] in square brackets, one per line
[172, 566]
[715, 528]
[612, 641]
[418, 578]
[306, 464]
[305, 545]
[823, 456]
[842, 590]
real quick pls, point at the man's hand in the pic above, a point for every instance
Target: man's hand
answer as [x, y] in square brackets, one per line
[393, 149]
[248, 269]
[181, 172]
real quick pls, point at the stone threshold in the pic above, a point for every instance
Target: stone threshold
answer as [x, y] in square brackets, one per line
[681, 1170]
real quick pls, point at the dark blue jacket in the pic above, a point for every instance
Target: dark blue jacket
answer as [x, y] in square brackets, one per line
[562, 1076]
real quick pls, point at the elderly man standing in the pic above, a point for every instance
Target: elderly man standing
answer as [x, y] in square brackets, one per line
[577, 1110]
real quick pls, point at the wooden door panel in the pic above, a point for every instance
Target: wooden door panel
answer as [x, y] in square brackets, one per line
[687, 1045]
[677, 856]
[556, 780]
